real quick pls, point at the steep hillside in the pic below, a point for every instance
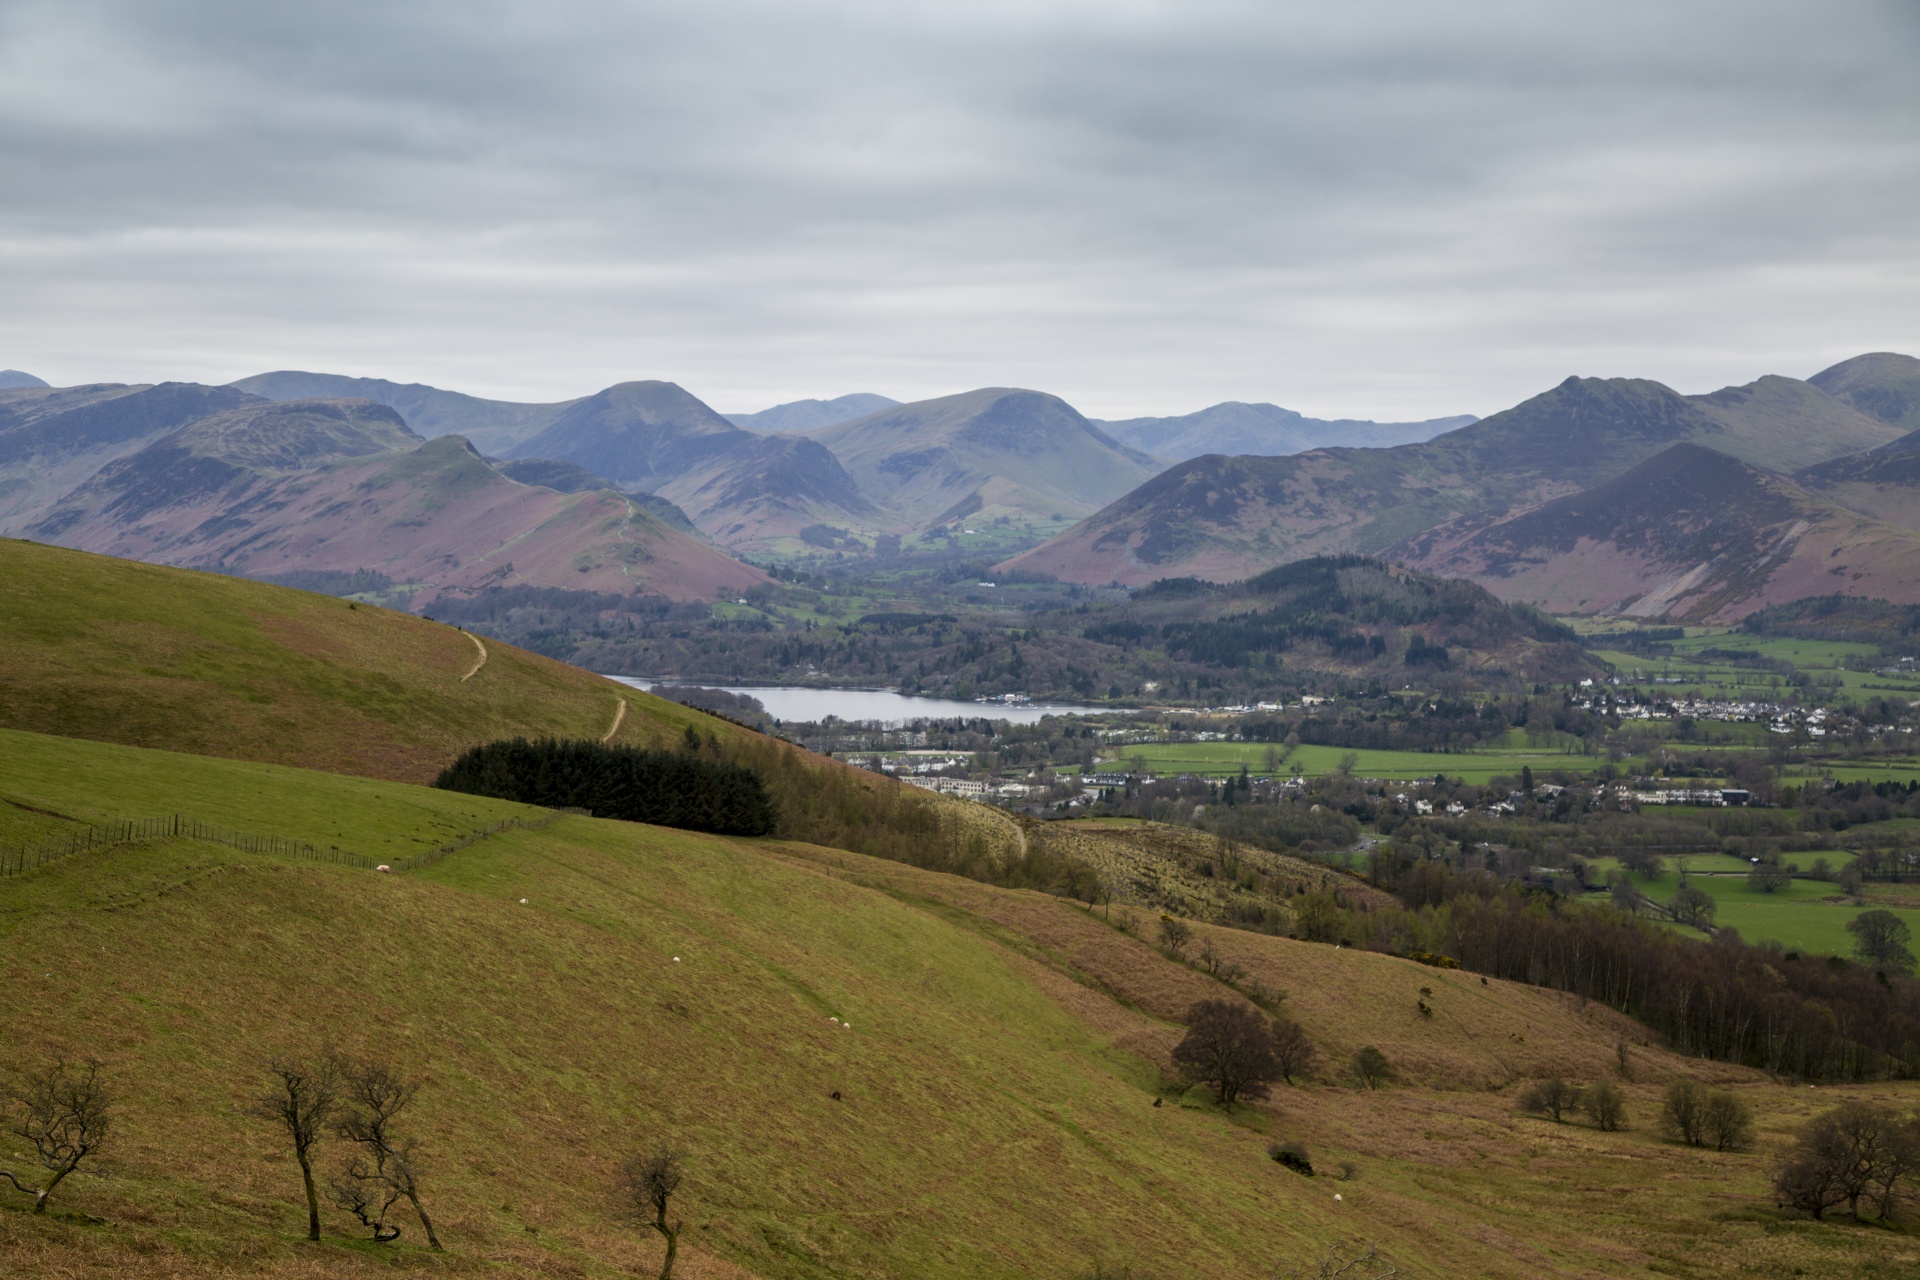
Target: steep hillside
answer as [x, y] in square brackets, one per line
[1883, 482]
[108, 649]
[983, 455]
[1225, 518]
[437, 519]
[197, 473]
[763, 495]
[1265, 429]
[494, 426]
[808, 415]
[1352, 615]
[1883, 384]
[1783, 424]
[874, 1071]
[1689, 535]
[637, 434]
[98, 648]
[53, 438]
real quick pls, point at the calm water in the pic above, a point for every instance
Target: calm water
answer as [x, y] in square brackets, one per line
[787, 703]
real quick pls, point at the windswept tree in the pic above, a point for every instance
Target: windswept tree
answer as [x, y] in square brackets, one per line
[647, 1187]
[388, 1166]
[1229, 1048]
[1175, 934]
[1880, 938]
[64, 1110]
[1371, 1068]
[302, 1100]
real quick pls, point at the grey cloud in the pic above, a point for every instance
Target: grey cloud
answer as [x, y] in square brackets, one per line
[1375, 209]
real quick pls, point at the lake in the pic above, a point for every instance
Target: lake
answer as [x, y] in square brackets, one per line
[786, 702]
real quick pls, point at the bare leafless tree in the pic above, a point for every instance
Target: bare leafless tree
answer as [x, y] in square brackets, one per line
[646, 1186]
[65, 1110]
[375, 1094]
[1554, 1097]
[1293, 1052]
[302, 1099]
[363, 1193]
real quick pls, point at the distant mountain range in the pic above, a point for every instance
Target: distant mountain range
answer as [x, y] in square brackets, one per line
[271, 490]
[1578, 499]
[808, 415]
[12, 378]
[1599, 495]
[494, 426]
[1234, 427]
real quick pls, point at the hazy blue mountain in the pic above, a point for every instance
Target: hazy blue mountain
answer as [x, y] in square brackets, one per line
[1885, 384]
[985, 455]
[1235, 427]
[10, 378]
[494, 426]
[745, 490]
[807, 415]
[52, 438]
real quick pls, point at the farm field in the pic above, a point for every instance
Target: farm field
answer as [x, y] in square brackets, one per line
[1224, 758]
[1805, 915]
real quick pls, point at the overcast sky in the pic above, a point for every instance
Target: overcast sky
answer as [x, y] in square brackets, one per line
[1352, 209]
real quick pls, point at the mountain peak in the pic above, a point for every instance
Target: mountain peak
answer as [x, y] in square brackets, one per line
[11, 379]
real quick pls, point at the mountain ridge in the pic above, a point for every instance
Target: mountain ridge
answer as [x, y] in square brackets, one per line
[1689, 535]
[1238, 427]
[1229, 517]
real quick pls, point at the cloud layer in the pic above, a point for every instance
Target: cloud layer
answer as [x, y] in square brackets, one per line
[1370, 209]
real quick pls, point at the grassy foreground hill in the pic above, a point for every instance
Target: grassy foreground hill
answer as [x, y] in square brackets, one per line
[984, 1105]
[119, 651]
[116, 650]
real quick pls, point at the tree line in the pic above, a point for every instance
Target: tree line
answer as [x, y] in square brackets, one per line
[667, 788]
[1780, 1011]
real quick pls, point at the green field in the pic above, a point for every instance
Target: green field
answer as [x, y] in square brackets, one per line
[1223, 758]
[97, 782]
[1806, 915]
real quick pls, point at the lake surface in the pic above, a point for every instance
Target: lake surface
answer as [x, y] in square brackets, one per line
[785, 702]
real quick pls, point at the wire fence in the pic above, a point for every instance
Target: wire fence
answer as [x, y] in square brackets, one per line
[23, 856]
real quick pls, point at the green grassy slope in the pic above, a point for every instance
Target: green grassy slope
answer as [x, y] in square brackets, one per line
[998, 1058]
[119, 651]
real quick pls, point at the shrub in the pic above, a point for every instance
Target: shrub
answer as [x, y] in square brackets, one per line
[1371, 1068]
[666, 788]
[1704, 1118]
[1552, 1098]
[1291, 1155]
[1726, 1122]
[1606, 1106]
[1681, 1112]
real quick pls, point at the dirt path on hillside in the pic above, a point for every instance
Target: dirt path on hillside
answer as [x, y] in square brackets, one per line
[619, 715]
[483, 656]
